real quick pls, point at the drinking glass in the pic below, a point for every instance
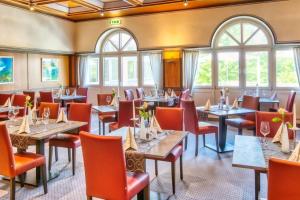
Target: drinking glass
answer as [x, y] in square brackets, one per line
[15, 112]
[10, 116]
[265, 130]
[46, 115]
[108, 99]
[67, 92]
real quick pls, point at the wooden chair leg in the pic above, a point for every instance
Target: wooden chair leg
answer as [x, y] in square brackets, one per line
[22, 179]
[69, 154]
[240, 131]
[44, 177]
[186, 142]
[99, 130]
[73, 160]
[196, 148]
[173, 176]
[89, 197]
[50, 158]
[254, 132]
[12, 188]
[156, 168]
[203, 140]
[144, 194]
[56, 153]
[103, 128]
[181, 167]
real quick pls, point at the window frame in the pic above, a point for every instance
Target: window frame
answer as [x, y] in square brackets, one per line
[98, 82]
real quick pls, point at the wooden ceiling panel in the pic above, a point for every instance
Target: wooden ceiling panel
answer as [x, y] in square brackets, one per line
[78, 10]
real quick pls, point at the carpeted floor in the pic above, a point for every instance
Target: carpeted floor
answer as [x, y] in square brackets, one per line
[206, 177]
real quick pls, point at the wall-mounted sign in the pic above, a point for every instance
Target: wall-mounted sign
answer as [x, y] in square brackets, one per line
[115, 22]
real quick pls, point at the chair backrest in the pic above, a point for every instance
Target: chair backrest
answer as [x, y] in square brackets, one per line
[129, 94]
[125, 113]
[4, 97]
[31, 94]
[83, 92]
[283, 177]
[46, 96]
[140, 93]
[7, 161]
[104, 166]
[170, 118]
[19, 100]
[250, 102]
[268, 116]
[102, 99]
[185, 94]
[190, 116]
[81, 112]
[53, 107]
[290, 101]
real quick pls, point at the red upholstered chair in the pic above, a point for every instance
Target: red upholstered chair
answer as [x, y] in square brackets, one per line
[53, 107]
[124, 115]
[129, 94]
[107, 117]
[105, 170]
[4, 97]
[31, 94]
[171, 119]
[268, 116]
[192, 124]
[83, 92]
[283, 177]
[13, 165]
[289, 104]
[247, 121]
[140, 93]
[46, 96]
[185, 94]
[19, 100]
[78, 112]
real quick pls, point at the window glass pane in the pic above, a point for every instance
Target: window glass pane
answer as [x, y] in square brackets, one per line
[248, 30]
[285, 69]
[110, 71]
[124, 38]
[235, 31]
[147, 72]
[93, 71]
[257, 69]
[226, 40]
[258, 38]
[129, 71]
[131, 46]
[108, 47]
[228, 69]
[115, 39]
[203, 74]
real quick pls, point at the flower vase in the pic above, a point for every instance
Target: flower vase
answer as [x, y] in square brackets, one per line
[285, 144]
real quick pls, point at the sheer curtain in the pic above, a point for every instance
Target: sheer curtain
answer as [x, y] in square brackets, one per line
[156, 68]
[297, 61]
[191, 60]
[83, 71]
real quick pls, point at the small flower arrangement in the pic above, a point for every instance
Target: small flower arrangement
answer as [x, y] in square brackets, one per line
[28, 103]
[143, 113]
[281, 119]
[113, 93]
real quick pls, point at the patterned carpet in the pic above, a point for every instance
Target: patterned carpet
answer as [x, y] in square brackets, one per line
[206, 177]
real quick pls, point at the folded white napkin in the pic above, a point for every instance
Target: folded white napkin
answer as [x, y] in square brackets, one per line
[155, 125]
[235, 104]
[207, 105]
[277, 137]
[295, 156]
[282, 137]
[7, 103]
[74, 93]
[114, 102]
[173, 94]
[130, 143]
[62, 117]
[24, 128]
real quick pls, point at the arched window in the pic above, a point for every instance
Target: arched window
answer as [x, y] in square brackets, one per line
[119, 57]
[243, 48]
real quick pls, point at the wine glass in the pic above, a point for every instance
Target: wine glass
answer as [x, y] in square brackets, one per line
[108, 99]
[15, 112]
[265, 130]
[46, 115]
[10, 116]
[67, 92]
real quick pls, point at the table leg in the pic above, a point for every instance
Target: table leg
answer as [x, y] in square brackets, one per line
[257, 184]
[222, 132]
[40, 149]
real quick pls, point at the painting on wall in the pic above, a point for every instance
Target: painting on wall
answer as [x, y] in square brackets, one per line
[6, 69]
[50, 69]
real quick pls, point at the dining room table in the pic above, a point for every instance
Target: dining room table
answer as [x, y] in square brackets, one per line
[160, 100]
[265, 100]
[155, 148]
[39, 135]
[222, 115]
[7, 108]
[250, 153]
[67, 98]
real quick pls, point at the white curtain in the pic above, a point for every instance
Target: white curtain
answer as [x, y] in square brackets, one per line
[297, 62]
[191, 61]
[156, 68]
[83, 71]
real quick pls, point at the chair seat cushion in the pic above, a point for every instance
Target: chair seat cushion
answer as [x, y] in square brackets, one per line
[240, 123]
[174, 155]
[26, 161]
[113, 126]
[205, 128]
[107, 118]
[136, 182]
[65, 140]
[3, 117]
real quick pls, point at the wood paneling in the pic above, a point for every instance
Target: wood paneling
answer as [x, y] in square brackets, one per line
[172, 73]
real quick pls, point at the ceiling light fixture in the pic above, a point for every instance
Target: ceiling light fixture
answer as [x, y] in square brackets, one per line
[31, 6]
[185, 2]
[101, 13]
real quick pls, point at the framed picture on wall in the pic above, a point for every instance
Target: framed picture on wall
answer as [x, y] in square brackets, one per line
[50, 69]
[6, 69]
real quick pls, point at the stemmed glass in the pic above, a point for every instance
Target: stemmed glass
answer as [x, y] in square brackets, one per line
[15, 112]
[11, 116]
[108, 99]
[67, 92]
[265, 130]
[46, 115]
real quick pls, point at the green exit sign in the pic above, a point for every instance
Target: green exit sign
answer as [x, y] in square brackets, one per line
[115, 21]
